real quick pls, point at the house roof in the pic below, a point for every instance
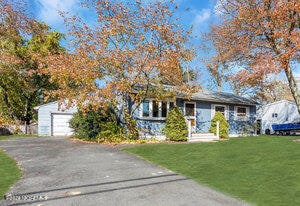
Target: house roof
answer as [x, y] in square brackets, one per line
[44, 105]
[212, 96]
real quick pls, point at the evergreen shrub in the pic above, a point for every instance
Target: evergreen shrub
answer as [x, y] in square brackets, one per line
[223, 125]
[176, 128]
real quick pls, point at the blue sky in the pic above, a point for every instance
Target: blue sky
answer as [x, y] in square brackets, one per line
[198, 13]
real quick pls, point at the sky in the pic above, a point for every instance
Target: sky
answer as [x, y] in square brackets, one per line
[197, 13]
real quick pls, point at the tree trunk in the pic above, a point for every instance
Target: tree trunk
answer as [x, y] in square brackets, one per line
[26, 125]
[293, 86]
[126, 118]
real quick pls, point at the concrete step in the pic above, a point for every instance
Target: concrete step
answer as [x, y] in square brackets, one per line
[203, 137]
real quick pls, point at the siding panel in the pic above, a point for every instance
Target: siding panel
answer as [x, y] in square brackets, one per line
[203, 119]
[44, 117]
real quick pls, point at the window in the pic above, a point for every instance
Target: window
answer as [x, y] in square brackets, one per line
[146, 108]
[241, 113]
[189, 109]
[274, 115]
[164, 109]
[155, 109]
[171, 105]
[219, 108]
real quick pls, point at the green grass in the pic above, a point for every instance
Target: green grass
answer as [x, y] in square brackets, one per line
[263, 170]
[9, 171]
[16, 136]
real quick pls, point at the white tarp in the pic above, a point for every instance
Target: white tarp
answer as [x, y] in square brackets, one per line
[280, 112]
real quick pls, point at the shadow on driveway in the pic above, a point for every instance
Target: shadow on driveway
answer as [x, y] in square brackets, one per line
[59, 171]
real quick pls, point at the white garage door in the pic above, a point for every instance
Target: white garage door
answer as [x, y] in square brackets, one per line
[60, 124]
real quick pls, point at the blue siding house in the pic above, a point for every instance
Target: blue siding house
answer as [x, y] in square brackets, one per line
[198, 110]
[151, 115]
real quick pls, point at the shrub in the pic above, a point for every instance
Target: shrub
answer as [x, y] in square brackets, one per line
[176, 128]
[111, 132]
[223, 129]
[88, 124]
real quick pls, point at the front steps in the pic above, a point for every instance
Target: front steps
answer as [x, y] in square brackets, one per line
[203, 137]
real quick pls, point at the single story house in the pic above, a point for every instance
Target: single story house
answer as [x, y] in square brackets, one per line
[198, 110]
[280, 112]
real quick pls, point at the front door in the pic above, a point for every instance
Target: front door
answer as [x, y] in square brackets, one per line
[190, 115]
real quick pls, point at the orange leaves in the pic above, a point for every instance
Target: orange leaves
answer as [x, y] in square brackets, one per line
[261, 36]
[130, 43]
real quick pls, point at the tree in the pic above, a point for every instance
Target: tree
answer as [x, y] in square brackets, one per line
[273, 91]
[189, 76]
[176, 128]
[23, 43]
[223, 125]
[130, 45]
[257, 38]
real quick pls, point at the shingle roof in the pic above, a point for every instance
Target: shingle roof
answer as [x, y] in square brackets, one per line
[212, 96]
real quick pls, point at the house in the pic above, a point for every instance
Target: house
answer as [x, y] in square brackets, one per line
[151, 114]
[280, 112]
[199, 110]
[54, 120]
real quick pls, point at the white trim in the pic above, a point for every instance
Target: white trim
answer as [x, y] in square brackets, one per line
[159, 109]
[151, 107]
[59, 112]
[191, 128]
[153, 118]
[226, 110]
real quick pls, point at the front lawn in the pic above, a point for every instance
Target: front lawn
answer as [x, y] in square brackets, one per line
[263, 170]
[17, 136]
[9, 171]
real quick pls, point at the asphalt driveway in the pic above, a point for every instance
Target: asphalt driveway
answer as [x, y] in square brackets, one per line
[59, 171]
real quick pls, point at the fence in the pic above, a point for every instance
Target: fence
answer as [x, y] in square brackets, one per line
[18, 129]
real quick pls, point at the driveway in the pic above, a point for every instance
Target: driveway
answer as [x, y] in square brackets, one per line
[59, 171]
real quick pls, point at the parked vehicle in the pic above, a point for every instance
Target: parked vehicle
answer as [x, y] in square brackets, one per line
[276, 113]
[286, 129]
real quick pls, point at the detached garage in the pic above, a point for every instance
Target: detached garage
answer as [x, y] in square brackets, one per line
[53, 121]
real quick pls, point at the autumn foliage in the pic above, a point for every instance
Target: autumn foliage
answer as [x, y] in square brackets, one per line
[255, 39]
[24, 42]
[130, 44]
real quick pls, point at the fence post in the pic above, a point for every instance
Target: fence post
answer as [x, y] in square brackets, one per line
[218, 129]
[190, 128]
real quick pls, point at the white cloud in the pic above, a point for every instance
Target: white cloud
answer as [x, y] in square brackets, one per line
[48, 9]
[202, 16]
